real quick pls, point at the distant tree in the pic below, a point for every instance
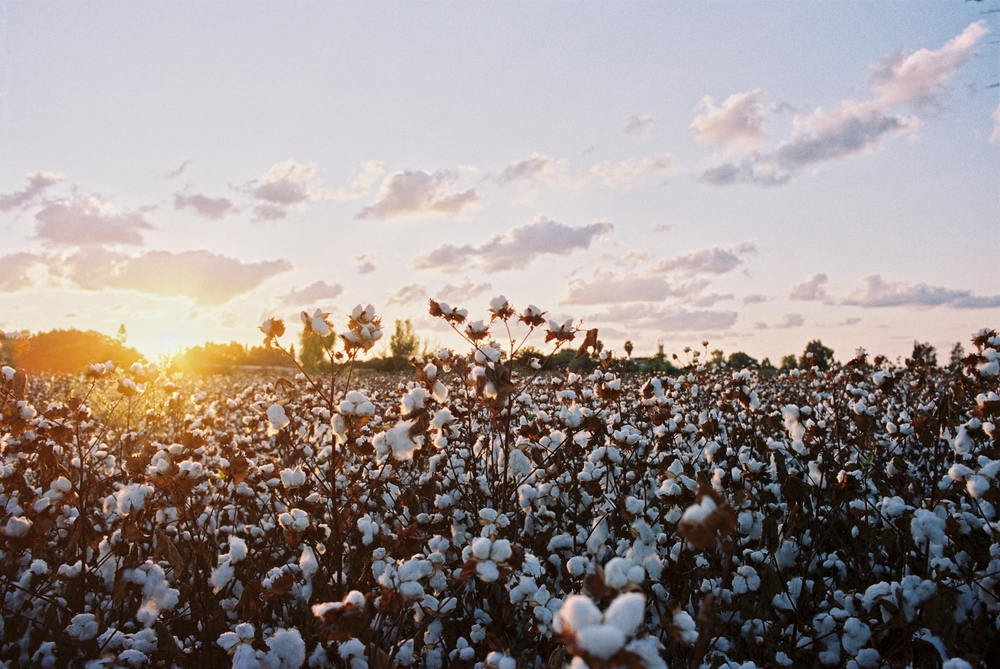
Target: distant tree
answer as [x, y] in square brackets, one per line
[404, 342]
[741, 360]
[957, 353]
[815, 354]
[789, 362]
[122, 334]
[71, 351]
[766, 368]
[312, 351]
[717, 359]
[628, 348]
[924, 351]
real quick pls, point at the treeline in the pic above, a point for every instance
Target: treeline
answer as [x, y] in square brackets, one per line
[66, 351]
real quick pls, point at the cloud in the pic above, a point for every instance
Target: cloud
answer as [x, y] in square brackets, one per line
[639, 125]
[746, 172]
[214, 208]
[89, 220]
[368, 174]
[854, 128]
[268, 212]
[789, 321]
[15, 269]
[874, 292]
[37, 183]
[290, 183]
[755, 298]
[710, 299]
[634, 258]
[995, 137]
[540, 168]
[205, 277]
[365, 263]
[173, 174]
[414, 193]
[408, 294]
[607, 288]
[462, 291]
[314, 292]
[849, 321]
[664, 319]
[920, 79]
[739, 121]
[615, 172]
[518, 248]
[705, 261]
[662, 227]
[813, 288]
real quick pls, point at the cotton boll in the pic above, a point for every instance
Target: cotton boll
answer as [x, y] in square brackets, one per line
[626, 612]
[487, 571]
[481, 548]
[616, 573]
[577, 612]
[601, 641]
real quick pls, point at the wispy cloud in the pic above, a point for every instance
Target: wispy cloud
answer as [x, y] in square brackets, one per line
[540, 168]
[416, 193]
[290, 183]
[38, 182]
[785, 322]
[206, 278]
[213, 208]
[516, 249]
[607, 288]
[813, 288]
[705, 261]
[739, 121]
[616, 172]
[639, 125]
[88, 220]
[15, 270]
[874, 292]
[462, 291]
[412, 293]
[314, 292]
[664, 319]
[995, 137]
[364, 263]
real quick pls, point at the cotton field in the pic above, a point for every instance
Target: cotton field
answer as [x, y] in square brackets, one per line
[472, 514]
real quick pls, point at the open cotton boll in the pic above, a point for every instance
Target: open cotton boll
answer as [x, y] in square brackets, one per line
[601, 640]
[577, 612]
[696, 513]
[481, 548]
[292, 478]
[626, 612]
[276, 418]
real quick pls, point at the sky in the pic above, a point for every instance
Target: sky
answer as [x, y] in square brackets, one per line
[755, 175]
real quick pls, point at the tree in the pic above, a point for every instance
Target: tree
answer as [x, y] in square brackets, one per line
[924, 351]
[312, 351]
[717, 359]
[628, 348]
[71, 351]
[815, 354]
[789, 362]
[957, 353]
[741, 360]
[404, 342]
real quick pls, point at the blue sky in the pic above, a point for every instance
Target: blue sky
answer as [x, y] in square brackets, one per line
[753, 174]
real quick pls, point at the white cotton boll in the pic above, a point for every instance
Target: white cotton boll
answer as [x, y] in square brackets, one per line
[245, 657]
[439, 392]
[685, 627]
[856, 635]
[616, 573]
[412, 589]
[222, 575]
[292, 478]
[84, 626]
[398, 439]
[959, 472]
[977, 485]
[868, 658]
[132, 497]
[696, 513]
[276, 418]
[576, 613]
[404, 655]
[576, 565]
[500, 551]
[926, 526]
[956, 663]
[481, 548]
[487, 571]
[626, 612]
[237, 549]
[308, 562]
[746, 579]
[287, 649]
[601, 641]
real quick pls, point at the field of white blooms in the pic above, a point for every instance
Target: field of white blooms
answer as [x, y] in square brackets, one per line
[477, 515]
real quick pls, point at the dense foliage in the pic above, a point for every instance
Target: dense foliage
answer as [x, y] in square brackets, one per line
[482, 514]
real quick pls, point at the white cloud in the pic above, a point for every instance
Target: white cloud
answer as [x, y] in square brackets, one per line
[739, 121]
[606, 288]
[813, 288]
[874, 292]
[205, 277]
[540, 168]
[705, 261]
[408, 294]
[634, 258]
[639, 125]
[789, 321]
[268, 212]
[920, 79]
[519, 247]
[312, 293]
[664, 319]
[615, 172]
[748, 171]
[755, 298]
[290, 183]
[214, 208]
[89, 220]
[368, 174]
[414, 193]
[15, 270]
[854, 128]
[662, 227]
[365, 263]
[710, 299]
[464, 290]
[38, 182]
